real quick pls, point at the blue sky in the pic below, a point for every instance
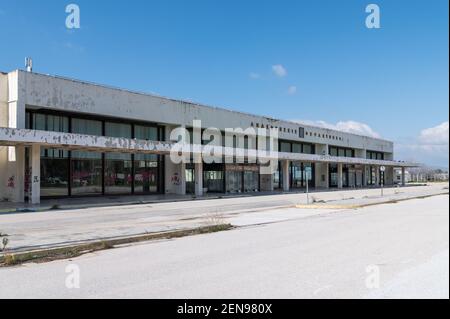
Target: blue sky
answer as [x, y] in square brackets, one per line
[393, 79]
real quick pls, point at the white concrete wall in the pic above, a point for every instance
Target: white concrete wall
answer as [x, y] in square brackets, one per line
[3, 123]
[12, 112]
[322, 175]
[175, 174]
[43, 91]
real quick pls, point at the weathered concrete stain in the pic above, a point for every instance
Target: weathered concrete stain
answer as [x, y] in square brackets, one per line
[9, 136]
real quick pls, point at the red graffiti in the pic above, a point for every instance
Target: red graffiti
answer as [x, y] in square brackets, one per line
[11, 182]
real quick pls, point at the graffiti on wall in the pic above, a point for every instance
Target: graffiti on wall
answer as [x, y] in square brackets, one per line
[175, 179]
[11, 182]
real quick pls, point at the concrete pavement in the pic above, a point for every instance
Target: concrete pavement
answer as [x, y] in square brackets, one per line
[324, 255]
[58, 228]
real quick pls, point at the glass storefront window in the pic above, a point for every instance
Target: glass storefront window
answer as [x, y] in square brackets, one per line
[148, 133]
[296, 148]
[54, 123]
[233, 179]
[333, 151]
[190, 179]
[251, 181]
[285, 147]
[333, 175]
[86, 173]
[296, 175]
[75, 173]
[276, 177]
[145, 173]
[213, 181]
[118, 173]
[54, 172]
[114, 129]
[307, 149]
[89, 127]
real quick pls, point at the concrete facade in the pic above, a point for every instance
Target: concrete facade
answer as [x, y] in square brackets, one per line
[21, 146]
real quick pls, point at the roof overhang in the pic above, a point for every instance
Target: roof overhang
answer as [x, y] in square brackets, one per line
[70, 141]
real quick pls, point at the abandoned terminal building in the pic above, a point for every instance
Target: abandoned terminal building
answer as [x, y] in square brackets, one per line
[66, 138]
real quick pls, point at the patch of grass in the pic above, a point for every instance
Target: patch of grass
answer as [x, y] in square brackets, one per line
[10, 260]
[78, 250]
[215, 219]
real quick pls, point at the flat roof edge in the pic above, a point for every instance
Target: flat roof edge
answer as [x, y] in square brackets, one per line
[111, 87]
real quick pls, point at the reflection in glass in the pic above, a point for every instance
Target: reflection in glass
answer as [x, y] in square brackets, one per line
[285, 147]
[148, 133]
[297, 175]
[234, 181]
[86, 173]
[333, 175]
[54, 123]
[113, 129]
[296, 148]
[276, 177]
[89, 127]
[190, 179]
[307, 149]
[251, 181]
[146, 173]
[54, 172]
[333, 151]
[213, 181]
[118, 173]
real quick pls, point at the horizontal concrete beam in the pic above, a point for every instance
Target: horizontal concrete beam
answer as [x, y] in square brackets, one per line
[70, 141]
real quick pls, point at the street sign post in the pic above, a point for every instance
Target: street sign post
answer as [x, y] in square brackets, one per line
[308, 174]
[382, 170]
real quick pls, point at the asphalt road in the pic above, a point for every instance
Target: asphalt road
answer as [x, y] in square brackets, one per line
[62, 227]
[393, 250]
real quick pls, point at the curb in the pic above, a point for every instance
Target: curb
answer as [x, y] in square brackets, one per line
[50, 254]
[390, 201]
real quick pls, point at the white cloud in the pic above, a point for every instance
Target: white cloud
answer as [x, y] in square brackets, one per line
[292, 90]
[279, 70]
[346, 126]
[437, 135]
[430, 147]
[254, 75]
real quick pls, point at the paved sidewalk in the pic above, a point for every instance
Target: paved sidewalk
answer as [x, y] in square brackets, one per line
[57, 228]
[124, 200]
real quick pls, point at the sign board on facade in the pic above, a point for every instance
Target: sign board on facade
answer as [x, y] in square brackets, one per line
[308, 172]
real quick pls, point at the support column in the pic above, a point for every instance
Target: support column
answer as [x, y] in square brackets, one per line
[16, 178]
[35, 182]
[199, 179]
[340, 175]
[403, 176]
[286, 176]
[182, 186]
[365, 176]
[266, 182]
